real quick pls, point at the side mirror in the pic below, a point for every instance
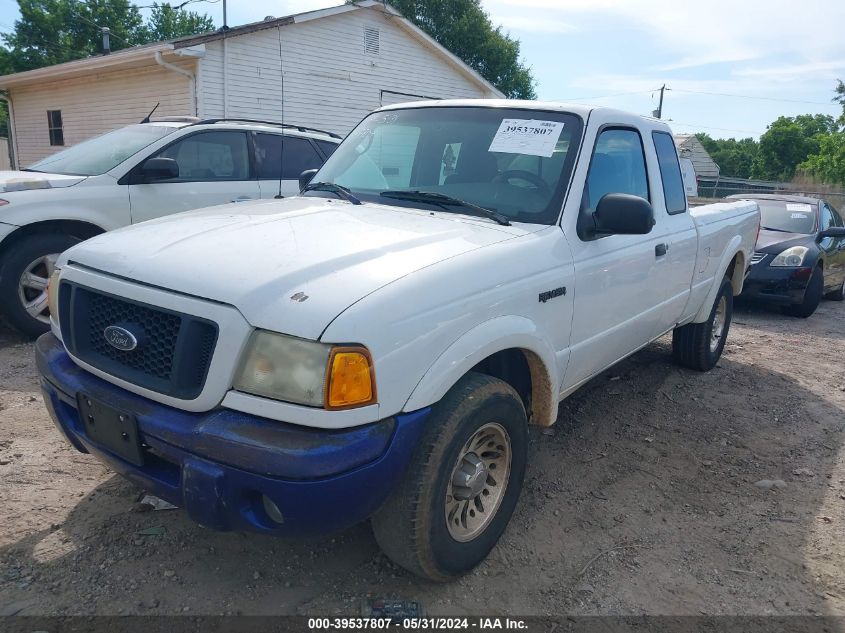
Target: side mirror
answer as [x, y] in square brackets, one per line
[306, 177]
[160, 169]
[623, 214]
[833, 231]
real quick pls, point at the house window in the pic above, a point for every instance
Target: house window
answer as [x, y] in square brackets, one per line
[54, 125]
[371, 40]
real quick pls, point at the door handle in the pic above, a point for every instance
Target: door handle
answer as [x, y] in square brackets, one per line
[660, 250]
[242, 199]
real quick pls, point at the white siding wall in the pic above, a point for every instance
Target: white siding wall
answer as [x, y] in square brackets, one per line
[4, 154]
[95, 104]
[330, 82]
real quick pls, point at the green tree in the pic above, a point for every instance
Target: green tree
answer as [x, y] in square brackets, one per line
[464, 28]
[733, 156]
[55, 31]
[828, 163]
[788, 142]
[4, 120]
[840, 98]
[167, 23]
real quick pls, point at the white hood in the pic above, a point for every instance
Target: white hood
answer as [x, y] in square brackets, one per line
[293, 265]
[11, 181]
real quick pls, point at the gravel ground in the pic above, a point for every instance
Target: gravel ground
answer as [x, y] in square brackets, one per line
[643, 499]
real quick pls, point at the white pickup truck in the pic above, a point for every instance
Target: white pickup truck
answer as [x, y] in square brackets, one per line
[377, 347]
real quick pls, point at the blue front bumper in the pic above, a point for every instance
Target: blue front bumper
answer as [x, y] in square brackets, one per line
[219, 465]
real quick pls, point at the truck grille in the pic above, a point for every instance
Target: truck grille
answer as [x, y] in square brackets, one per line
[756, 258]
[173, 351]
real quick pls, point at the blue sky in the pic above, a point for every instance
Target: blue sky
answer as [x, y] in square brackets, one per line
[782, 56]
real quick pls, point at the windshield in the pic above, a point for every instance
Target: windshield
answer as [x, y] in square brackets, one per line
[788, 216]
[515, 162]
[99, 154]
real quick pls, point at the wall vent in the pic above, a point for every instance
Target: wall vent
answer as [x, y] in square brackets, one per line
[371, 40]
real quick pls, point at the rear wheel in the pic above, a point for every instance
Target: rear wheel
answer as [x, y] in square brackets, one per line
[812, 296]
[24, 273]
[461, 485]
[699, 345]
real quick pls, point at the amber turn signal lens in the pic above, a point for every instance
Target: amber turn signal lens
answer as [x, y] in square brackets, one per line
[351, 380]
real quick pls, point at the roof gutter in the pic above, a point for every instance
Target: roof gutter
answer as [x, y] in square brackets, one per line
[83, 66]
[13, 138]
[187, 73]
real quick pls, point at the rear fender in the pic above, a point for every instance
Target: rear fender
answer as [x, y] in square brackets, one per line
[733, 249]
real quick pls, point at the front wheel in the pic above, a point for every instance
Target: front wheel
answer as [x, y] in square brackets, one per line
[812, 296]
[24, 273]
[462, 483]
[699, 345]
[838, 294]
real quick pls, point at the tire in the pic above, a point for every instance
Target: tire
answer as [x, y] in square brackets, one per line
[698, 345]
[413, 526]
[837, 295]
[35, 253]
[812, 297]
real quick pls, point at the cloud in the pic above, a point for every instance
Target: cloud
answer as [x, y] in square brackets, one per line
[828, 70]
[692, 35]
[529, 24]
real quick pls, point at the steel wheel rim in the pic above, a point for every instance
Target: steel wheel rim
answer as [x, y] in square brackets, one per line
[478, 482]
[32, 287]
[718, 328]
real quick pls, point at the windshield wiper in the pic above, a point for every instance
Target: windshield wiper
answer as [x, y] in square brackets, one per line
[340, 190]
[771, 228]
[443, 201]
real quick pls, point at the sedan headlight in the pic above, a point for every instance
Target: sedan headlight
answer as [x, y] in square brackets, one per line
[306, 372]
[793, 257]
[53, 294]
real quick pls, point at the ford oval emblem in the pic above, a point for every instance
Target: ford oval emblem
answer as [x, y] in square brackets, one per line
[120, 338]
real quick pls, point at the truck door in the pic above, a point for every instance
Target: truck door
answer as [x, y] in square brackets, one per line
[674, 223]
[622, 282]
[214, 168]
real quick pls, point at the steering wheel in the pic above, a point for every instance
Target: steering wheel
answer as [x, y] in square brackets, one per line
[520, 174]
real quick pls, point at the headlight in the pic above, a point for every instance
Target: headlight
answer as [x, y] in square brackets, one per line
[53, 294]
[791, 257]
[306, 372]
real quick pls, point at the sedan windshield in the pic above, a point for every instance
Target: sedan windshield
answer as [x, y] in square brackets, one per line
[792, 217]
[515, 163]
[100, 154]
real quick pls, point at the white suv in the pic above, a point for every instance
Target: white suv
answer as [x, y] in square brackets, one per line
[133, 174]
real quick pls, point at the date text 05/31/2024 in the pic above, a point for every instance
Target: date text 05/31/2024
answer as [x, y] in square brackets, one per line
[425, 623]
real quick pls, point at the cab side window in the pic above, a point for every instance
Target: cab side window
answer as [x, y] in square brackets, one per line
[211, 156]
[670, 173]
[617, 166]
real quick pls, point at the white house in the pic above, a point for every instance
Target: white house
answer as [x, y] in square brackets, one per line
[323, 69]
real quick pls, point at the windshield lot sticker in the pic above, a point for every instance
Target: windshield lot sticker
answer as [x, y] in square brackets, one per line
[527, 136]
[799, 216]
[790, 206]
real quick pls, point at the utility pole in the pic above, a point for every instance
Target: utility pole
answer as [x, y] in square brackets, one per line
[659, 112]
